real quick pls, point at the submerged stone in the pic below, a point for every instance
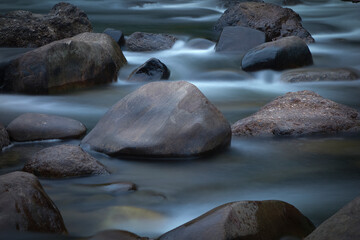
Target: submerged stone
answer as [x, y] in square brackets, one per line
[152, 70]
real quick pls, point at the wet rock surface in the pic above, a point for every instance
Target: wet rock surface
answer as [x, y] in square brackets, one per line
[81, 61]
[37, 126]
[145, 42]
[276, 22]
[63, 161]
[25, 206]
[4, 137]
[152, 70]
[319, 74]
[298, 114]
[25, 29]
[117, 35]
[245, 220]
[161, 119]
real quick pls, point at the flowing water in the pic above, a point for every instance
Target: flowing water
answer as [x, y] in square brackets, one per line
[317, 175]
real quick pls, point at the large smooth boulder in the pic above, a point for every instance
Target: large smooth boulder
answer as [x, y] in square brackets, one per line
[245, 220]
[63, 161]
[37, 126]
[299, 114]
[152, 70]
[4, 137]
[146, 42]
[343, 225]
[161, 119]
[25, 206]
[285, 53]
[116, 235]
[236, 39]
[25, 29]
[319, 74]
[276, 22]
[84, 60]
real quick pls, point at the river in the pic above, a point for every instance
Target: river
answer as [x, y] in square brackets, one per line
[317, 175]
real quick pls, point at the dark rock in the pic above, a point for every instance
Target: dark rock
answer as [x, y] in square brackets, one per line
[353, 1]
[4, 137]
[143, 42]
[231, 3]
[343, 225]
[63, 161]
[319, 74]
[36, 126]
[199, 43]
[83, 60]
[298, 114]
[291, 2]
[117, 35]
[161, 119]
[246, 220]
[25, 206]
[285, 53]
[276, 22]
[25, 29]
[152, 70]
[116, 235]
[239, 39]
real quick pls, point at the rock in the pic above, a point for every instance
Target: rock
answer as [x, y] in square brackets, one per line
[161, 119]
[116, 235]
[143, 42]
[239, 39]
[117, 35]
[276, 22]
[37, 126]
[152, 70]
[319, 74]
[299, 114]
[231, 3]
[4, 137]
[83, 60]
[291, 2]
[25, 206]
[246, 220]
[25, 29]
[63, 161]
[343, 225]
[200, 43]
[353, 1]
[285, 53]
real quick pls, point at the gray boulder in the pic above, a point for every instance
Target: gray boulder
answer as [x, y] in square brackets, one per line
[285, 53]
[299, 114]
[152, 70]
[63, 161]
[319, 74]
[25, 29]
[37, 126]
[276, 22]
[237, 39]
[117, 35]
[145, 42]
[161, 119]
[84, 60]
[245, 220]
[25, 206]
[4, 137]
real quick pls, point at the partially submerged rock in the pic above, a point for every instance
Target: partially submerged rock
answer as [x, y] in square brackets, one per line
[298, 114]
[152, 70]
[276, 22]
[145, 42]
[84, 60]
[117, 35]
[246, 220]
[161, 119]
[63, 161]
[4, 137]
[25, 206]
[200, 43]
[319, 74]
[25, 29]
[37, 126]
[285, 53]
[116, 235]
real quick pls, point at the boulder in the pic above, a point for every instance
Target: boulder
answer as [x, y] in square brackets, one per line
[285, 53]
[200, 43]
[319, 74]
[63, 161]
[161, 119]
[152, 70]
[299, 114]
[117, 35]
[116, 235]
[145, 42]
[237, 39]
[246, 220]
[25, 206]
[37, 126]
[343, 225]
[83, 60]
[276, 22]
[231, 3]
[4, 137]
[25, 29]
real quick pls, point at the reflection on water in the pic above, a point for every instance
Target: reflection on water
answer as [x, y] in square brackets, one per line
[318, 176]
